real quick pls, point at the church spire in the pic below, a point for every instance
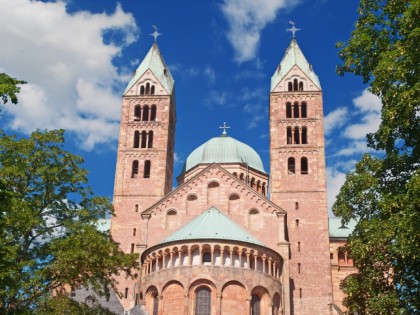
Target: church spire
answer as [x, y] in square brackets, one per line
[294, 57]
[155, 63]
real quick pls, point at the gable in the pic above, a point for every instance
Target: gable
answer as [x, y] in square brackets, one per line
[296, 73]
[203, 182]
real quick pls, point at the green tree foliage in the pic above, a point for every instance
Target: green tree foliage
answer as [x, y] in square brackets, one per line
[9, 88]
[48, 237]
[383, 192]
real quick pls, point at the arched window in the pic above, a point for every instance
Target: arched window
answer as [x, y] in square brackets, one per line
[134, 232]
[147, 165]
[289, 135]
[241, 177]
[152, 90]
[150, 140]
[145, 112]
[289, 109]
[255, 305]
[300, 86]
[126, 293]
[136, 141]
[290, 86]
[147, 88]
[295, 85]
[134, 169]
[143, 139]
[252, 182]
[233, 203]
[136, 208]
[304, 166]
[137, 112]
[296, 135]
[171, 219]
[291, 165]
[202, 301]
[142, 90]
[253, 219]
[263, 189]
[304, 135]
[296, 110]
[153, 113]
[132, 248]
[206, 258]
[304, 110]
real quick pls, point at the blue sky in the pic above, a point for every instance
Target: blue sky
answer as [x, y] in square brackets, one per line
[78, 56]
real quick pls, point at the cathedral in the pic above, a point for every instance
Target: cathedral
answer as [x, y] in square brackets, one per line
[231, 239]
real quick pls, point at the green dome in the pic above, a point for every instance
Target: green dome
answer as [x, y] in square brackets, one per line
[224, 149]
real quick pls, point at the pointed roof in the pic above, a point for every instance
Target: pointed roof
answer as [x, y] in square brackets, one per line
[155, 63]
[212, 224]
[293, 56]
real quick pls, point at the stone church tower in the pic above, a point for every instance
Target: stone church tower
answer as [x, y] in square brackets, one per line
[297, 178]
[218, 244]
[145, 158]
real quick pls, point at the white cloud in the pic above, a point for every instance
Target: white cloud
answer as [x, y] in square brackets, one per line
[72, 82]
[353, 147]
[368, 102]
[246, 19]
[335, 179]
[210, 74]
[335, 119]
[216, 98]
[369, 105]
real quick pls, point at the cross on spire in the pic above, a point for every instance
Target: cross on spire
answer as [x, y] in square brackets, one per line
[155, 34]
[224, 127]
[293, 29]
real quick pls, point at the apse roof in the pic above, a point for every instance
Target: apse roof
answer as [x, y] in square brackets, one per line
[293, 56]
[224, 149]
[212, 224]
[153, 61]
[338, 230]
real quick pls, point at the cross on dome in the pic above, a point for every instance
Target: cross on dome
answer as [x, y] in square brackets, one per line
[293, 29]
[224, 127]
[155, 34]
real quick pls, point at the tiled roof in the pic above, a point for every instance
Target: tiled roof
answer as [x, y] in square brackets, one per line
[338, 230]
[293, 56]
[212, 224]
[156, 64]
[224, 149]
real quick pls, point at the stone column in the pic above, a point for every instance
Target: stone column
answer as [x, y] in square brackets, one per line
[231, 258]
[222, 263]
[163, 261]
[240, 259]
[160, 308]
[171, 264]
[255, 261]
[270, 260]
[248, 265]
[189, 256]
[219, 303]
[179, 258]
[263, 262]
[212, 256]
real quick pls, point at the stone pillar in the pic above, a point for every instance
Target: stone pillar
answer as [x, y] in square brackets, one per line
[189, 256]
[157, 263]
[231, 258]
[219, 303]
[186, 303]
[212, 256]
[263, 263]
[255, 261]
[270, 260]
[248, 265]
[240, 259]
[221, 258]
[180, 258]
[171, 264]
[163, 261]
[160, 308]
